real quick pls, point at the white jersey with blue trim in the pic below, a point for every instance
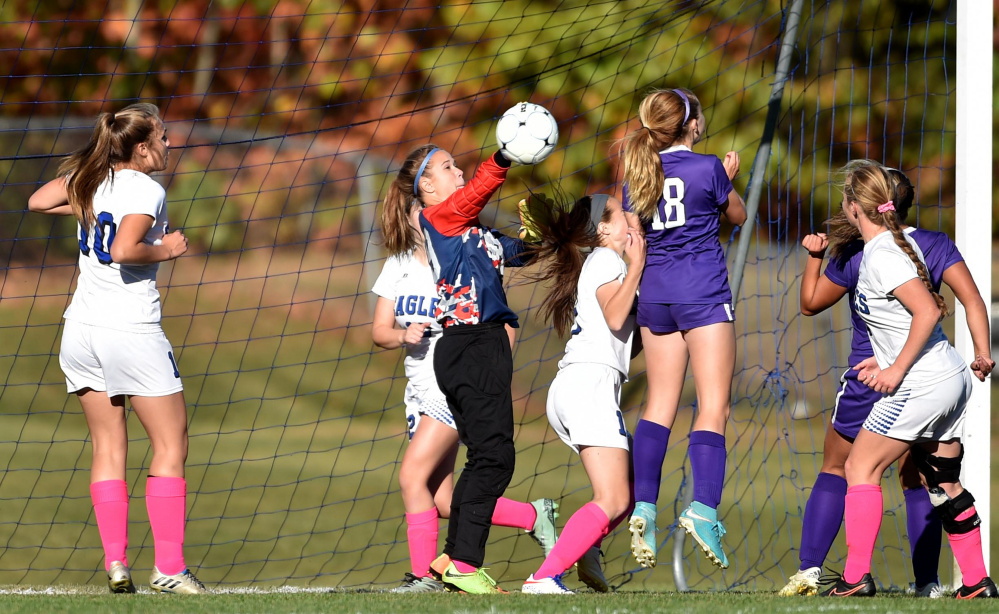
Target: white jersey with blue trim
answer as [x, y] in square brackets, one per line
[109, 294]
[884, 268]
[411, 287]
[592, 341]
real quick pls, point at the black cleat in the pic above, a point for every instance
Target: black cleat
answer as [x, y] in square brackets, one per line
[985, 588]
[842, 588]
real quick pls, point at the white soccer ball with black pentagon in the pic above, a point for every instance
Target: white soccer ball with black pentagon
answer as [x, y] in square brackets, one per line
[526, 133]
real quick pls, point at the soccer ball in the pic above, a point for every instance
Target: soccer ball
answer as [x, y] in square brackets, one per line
[526, 133]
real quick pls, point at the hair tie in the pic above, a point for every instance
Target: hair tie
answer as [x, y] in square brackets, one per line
[686, 105]
[888, 206]
[419, 173]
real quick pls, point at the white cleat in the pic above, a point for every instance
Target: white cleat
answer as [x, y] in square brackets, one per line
[545, 586]
[933, 590]
[803, 582]
[184, 583]
[120, 579]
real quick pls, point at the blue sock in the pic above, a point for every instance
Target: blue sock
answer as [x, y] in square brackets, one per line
[649, 450]
[707, 463]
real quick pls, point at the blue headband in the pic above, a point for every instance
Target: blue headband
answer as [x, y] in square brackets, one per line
[686, 105]
[419, 173]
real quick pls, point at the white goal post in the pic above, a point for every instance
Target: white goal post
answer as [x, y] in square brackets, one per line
[973, 230]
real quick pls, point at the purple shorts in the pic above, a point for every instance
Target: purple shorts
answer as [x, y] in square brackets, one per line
[670, 318]
[854, 402]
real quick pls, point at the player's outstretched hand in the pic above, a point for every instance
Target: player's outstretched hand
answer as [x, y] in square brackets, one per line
[982, 366]
[816, 244]
[175, 242]
[731, 164]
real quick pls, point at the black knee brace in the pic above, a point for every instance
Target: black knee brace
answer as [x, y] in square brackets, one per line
[953, 508]
[937, 469]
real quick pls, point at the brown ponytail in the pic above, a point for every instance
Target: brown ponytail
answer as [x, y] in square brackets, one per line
[662, 115]
[400, 236]
[566, 232]
[872, 187]
[112, 142]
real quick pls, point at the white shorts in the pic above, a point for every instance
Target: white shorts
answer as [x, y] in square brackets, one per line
[118, 362]
[424, 398]
[930, 413]
[584, 407]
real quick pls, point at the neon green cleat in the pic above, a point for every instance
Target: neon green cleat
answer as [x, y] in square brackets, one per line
[477, 582]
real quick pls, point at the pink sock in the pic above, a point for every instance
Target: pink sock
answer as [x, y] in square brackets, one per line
[509, 513]
[967, 549]
[864, 509]
[586, 527]
[110, 499]
[166, 502]
[463, 567]
[614, 523]
[422, 533]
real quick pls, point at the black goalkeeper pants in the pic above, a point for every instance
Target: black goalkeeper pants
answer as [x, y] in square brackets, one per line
[474, 369]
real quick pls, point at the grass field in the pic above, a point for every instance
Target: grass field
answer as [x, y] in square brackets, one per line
[296, 436]
[375, 603]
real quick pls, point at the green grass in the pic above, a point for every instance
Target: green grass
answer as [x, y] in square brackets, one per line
[621, 603]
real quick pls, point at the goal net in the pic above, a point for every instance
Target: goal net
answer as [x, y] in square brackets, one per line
[287, 124]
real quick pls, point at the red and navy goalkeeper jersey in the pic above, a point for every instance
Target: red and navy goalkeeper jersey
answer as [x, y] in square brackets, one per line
[467, 258]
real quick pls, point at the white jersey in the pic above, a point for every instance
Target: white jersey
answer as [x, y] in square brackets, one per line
[411, 287]
[112, 295]
[884, 268]
[592, 341]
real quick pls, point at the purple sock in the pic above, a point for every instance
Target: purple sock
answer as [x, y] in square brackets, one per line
[649, 452]
[924, 535]
[707, 463]
[823, 518]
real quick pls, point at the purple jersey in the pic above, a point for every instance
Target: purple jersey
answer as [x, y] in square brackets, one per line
[685, 263]
[939, 252]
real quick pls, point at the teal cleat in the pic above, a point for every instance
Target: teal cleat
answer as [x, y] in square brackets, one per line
[643, 533]
[701, 522]
[544, 531]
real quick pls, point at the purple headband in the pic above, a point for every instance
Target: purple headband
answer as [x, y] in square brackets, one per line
[419, 173]
[686, 105]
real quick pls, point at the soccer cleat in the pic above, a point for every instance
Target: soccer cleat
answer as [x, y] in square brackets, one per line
[985, 588]
[706, 533]
[803, 582]
[477, 582]
[589, 571]
[643, 533]
[545, 586]
[932, 590]
[544, 524]
[842, 588]
[120, 579]
[438, 565]
[184, 583]
[412, 584]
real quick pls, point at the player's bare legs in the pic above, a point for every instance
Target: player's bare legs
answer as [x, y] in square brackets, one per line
[165, 421]
[425, 477]
[712, 359]
[666, 367]
[109, 437]
[108, 490]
